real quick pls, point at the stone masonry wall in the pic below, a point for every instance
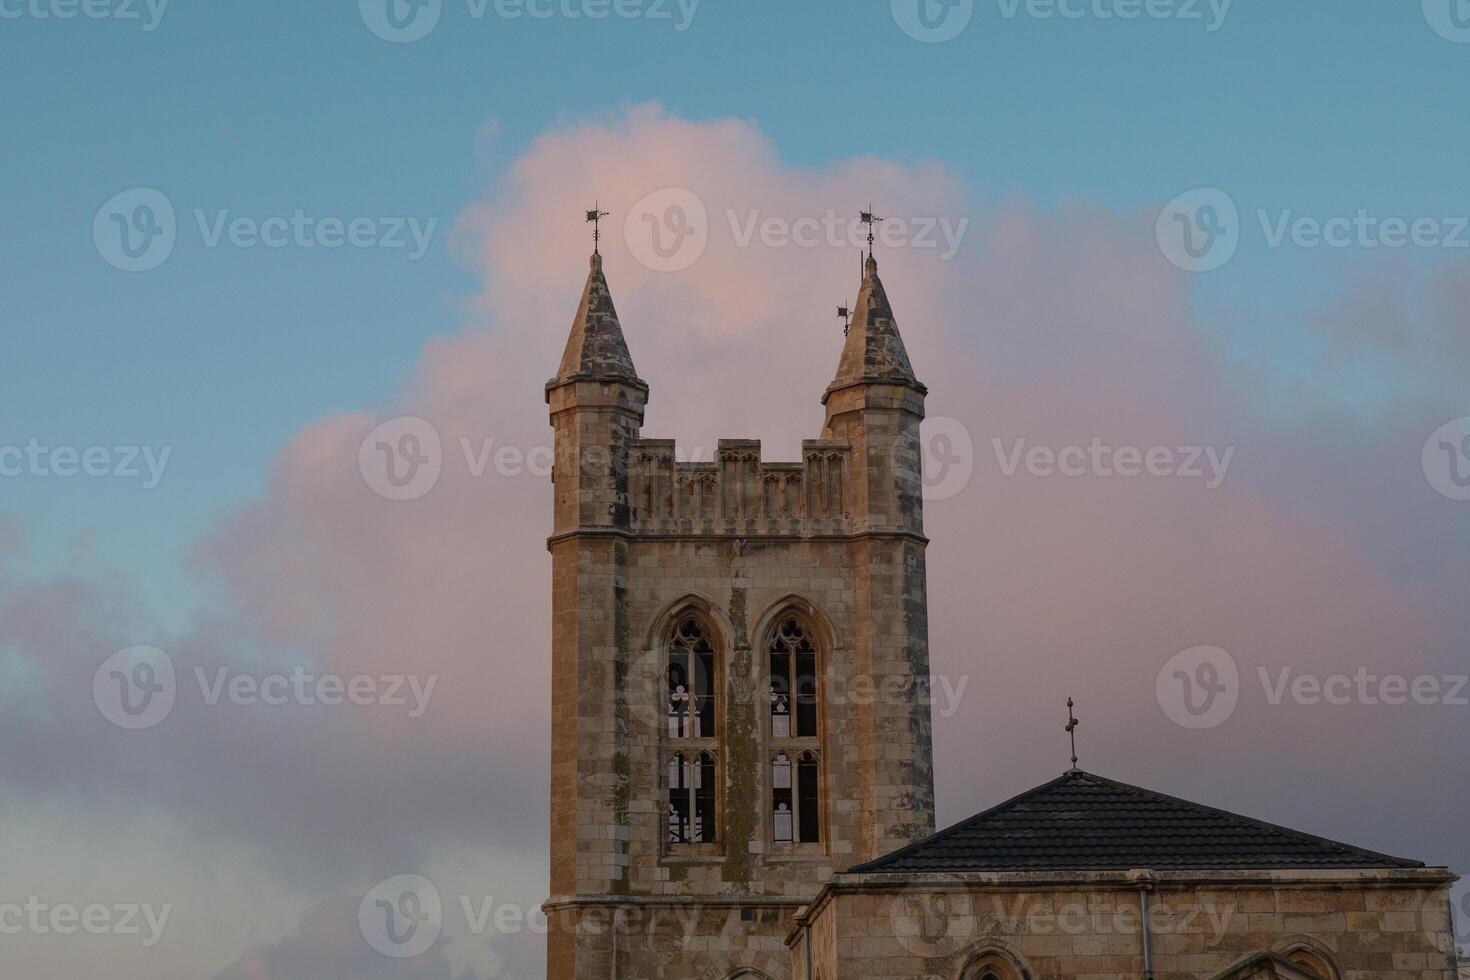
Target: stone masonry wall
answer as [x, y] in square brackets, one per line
[1369, 931]
[616, 592]
[640, 538]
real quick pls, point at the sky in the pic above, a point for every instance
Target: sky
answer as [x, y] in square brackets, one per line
[1234, 233]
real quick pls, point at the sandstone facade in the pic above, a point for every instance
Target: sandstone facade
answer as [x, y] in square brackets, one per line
[1358, 925]
[739, 547]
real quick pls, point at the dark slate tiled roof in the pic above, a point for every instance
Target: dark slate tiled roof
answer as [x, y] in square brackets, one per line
[1083, 822]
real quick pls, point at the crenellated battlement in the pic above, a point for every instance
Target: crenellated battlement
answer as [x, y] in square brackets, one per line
[739, 493]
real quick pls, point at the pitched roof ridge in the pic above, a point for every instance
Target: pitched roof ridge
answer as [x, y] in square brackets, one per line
[1278, 829]
[1230, 824]
[965, 824]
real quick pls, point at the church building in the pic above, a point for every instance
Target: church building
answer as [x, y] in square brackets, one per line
[742, 779]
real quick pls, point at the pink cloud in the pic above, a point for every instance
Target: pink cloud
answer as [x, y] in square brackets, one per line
[1053, 327]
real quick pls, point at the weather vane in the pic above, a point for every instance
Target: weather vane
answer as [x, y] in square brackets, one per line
[846, 315]
[871, 220]
[1072, 724]
[595, 216]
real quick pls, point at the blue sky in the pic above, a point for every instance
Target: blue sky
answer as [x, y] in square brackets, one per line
[267, 107]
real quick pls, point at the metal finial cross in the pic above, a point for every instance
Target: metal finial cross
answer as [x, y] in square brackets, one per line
[595, 216]
[846, 314]
[871, 220]
[1072, 724]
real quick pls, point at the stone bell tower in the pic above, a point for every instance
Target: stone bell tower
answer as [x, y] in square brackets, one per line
[740, 663]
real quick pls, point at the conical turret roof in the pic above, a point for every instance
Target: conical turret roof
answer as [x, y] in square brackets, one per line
[595, 348]
[874, 351]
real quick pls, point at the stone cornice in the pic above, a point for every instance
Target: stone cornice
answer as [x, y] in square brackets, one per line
[730, 536]
[1132, 879]
[557, 902]
[880, 383]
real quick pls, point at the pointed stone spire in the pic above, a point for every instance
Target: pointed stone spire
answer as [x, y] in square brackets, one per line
[596, 350]
[874, 351]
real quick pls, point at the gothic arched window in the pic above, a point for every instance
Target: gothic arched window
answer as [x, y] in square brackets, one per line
[793, 683]
[691, 682]
[1312, 962]
[692, 799]
[795, 733]
[992, 966]
[691, 729]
